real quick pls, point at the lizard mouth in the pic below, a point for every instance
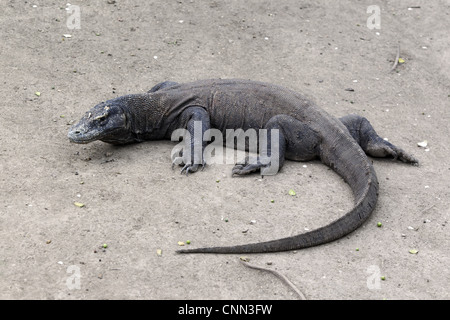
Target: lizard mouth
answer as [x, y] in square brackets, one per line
[80, 136]
[76, 136]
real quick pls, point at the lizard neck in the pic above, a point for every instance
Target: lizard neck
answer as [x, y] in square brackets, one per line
[144, 114]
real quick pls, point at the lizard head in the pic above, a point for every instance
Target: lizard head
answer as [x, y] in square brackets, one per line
[106, 122]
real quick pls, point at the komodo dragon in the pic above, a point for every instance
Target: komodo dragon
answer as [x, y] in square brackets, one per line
[306, 132]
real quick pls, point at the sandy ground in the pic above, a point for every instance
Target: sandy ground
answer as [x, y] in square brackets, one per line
[135, 203]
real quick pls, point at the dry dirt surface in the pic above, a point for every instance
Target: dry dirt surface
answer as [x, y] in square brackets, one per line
[58, 61]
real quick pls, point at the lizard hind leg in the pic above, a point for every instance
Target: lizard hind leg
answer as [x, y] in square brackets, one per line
[372, 144]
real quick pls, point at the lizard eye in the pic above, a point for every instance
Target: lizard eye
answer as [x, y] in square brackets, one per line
[101, 117]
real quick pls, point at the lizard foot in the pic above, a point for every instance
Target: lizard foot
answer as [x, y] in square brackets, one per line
[187, 167]
[192, 167]
[250, 165]
[382, 148]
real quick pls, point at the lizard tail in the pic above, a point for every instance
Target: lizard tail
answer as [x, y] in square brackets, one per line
[351, 163]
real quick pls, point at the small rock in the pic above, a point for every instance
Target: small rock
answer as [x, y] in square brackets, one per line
[422, 144]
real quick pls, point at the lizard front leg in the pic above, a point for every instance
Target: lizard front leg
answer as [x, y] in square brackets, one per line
[195, 121]
[272, 151]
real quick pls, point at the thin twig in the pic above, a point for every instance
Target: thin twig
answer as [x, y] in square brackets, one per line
[425, 210]
[279, 275]
[396, 58]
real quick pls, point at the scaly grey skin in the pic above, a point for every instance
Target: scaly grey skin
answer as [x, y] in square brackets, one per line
[306, 132]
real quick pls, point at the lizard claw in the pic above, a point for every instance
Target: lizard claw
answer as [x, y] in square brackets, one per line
[189, 168]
